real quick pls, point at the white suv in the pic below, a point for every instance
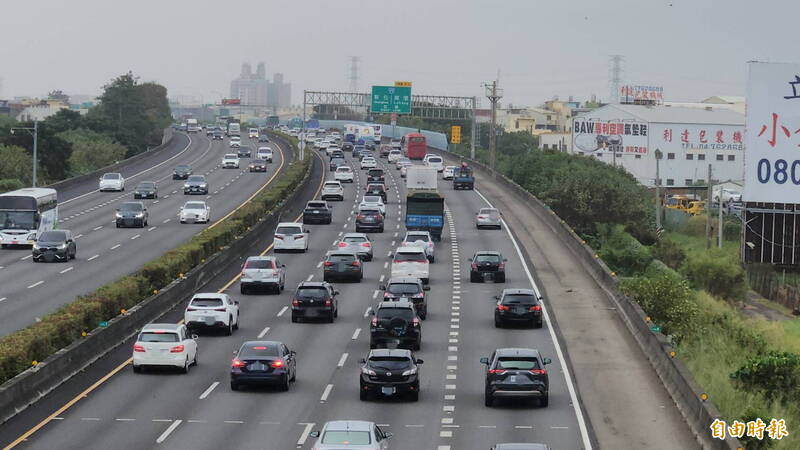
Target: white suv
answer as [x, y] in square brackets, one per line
[253, 133]
[212, 310]
[236, 141]
[230, 161]
[394, 155]
[164, 345]
[264, 153]
[436, 162]
[112, 182]
[332, 189]
[290, 236]
[262, 271]
[411, 262]
[420, 239]
[343, 174]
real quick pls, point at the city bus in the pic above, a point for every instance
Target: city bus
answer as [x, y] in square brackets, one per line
[25, 213]
[414, 145]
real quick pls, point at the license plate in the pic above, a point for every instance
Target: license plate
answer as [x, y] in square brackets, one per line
[316, 212]
[209, 319]
[258, 366]
[512, 378]
[387, 390]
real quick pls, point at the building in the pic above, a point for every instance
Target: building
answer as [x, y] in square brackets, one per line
[530, 120]
[279, 94]
[40, 110]
[730, 102]
[561, 142]
[5, 108]
[689, 139]
[254, 89]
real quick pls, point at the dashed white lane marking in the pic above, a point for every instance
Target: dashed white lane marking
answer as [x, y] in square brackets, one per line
[97, 228]
[283, 310]
[78, 236]
[326, 393]
[319, 264]
[122, 419]
[366, 312]
[36, 284]
[2, 299]
[355, 334]
[375, 294]
[67, 269]
[169, 430]
[386, 264]
[342, 360]
[92, 419]
[306, 431]
[445, 433]
[263, 332]
[166, 220]
[151, 228]
[26, 257]
[209, 390]
[136, 236]
[116, 247]
[310, 277]
[93, 257]
[523, 427]
[233, 421]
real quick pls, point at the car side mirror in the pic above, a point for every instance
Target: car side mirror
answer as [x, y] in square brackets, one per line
[388, 435]
[469, 259]
[547, 360]
[362, 361]
[283, 265]
[382, 287]
[306, 230]
[335, 292]
[426, 288]
[371, 311]
[236, 302]
[314, 434]
[391, 255]
[485, 360]
[505, 259]
[292, 353]
[419, 361]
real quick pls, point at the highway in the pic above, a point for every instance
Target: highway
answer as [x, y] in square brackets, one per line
[113, 407]
[104, 252]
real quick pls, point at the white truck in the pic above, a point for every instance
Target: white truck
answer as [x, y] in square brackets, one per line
[421, 178]
[192, 126]
[234, 129]
[377, 133]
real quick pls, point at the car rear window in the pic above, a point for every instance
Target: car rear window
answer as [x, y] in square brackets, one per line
[517, 363]
[402, 257]
[343, 169]
[341, 258]
[288, 230]
[258, 351]
[182, 168]
[372, 199]
[375, 172]
[347, 437]
[354, 239]
[488, 211]
[259, 161]
[111, 176]
[487, 258]
[259, 264]
[52, 236]
[316, 205]
[519, 299]
[312, 292]
[375, 187]
[195, 205]
[332, 185]
[435, 159]
[148, 336]
[389, 362]
[418, 237]
[389, 313]
[403, 288]
[207, 302]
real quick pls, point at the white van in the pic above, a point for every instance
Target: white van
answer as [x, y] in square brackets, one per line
[411, 262]
[290, 236]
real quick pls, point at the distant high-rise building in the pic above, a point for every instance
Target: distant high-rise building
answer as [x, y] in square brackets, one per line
[249, 88]
[280, 93]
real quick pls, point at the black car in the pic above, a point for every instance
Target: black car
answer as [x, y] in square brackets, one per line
[369, 220]
[336, 154]
[263, 138]
[516, 373]
[489, 264]
[258, 165]
[317, 211]
[347, 147]
[342, 265]
[181, 172]
[336, 162]
[263, 362]
[376, 176]
[55, 245]
[369, 145]
[407, 289]
[518, 306]
[387, 372]
[315, 300]
[375, 188]
[195, 184]
[243, 152]
[131, 214]
[146, 189]
[218, 135]
[210, 130]
[365, 154]
[357, 150]
[395, 324]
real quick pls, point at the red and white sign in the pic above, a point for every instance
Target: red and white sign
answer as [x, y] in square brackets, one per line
[697, 137]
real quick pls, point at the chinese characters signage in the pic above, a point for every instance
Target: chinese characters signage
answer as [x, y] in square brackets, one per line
[391, 99]
[590, 135]
[697, 137]
[776, 429]
[772, 158]
[641, 94]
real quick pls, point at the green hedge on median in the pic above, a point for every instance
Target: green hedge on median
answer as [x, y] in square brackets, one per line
[20, 349]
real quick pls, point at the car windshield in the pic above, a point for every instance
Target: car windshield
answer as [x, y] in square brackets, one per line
[198, 178]
[408, 256]
[389, 362]
[147, 185]
[347, 437]
[519, 299]
[131, 207]
[207, 302]
[195, 205]
[403, 288]
[487, 258]
[341, 258]
[312, 292]
[288, 230]
[389, 313]
[258, 350]
[182, 168]
[258, 264]
[52, 236]
[111, 176]
[417, 237]
[517, 363]
[158, 336]
[18, 220]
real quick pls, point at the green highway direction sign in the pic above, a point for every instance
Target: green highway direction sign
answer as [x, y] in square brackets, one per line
[391, 99]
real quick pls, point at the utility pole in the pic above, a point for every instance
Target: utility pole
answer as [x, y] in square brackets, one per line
[494, 95]
[658, 190]
[708, 213]
[719, 227]
[35, 132]
[473, 132]
[615, 77]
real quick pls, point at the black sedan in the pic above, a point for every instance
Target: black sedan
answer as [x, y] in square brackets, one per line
[258, 165]
[56, 245]
[181, 172]
[516, 373]
[347, 147]
[131, 214]
[518, 306]
[388, 372]
[146, 189]
[263, 362]
[263, 138]
[487, 264]
[313, 300]
[243, 152]
[218, 136]
[317, 211]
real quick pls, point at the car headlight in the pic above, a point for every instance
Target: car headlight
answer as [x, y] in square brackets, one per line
[408, 372]
[202, 185]
[367, 371]
[118, 215]
[36, 246]
[62, 246]
[139, 215]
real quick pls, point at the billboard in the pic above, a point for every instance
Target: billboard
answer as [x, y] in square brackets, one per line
[772, 159]
[231, 101]
[391, 99]
[700, 137]
[641, 94]
[590, 135]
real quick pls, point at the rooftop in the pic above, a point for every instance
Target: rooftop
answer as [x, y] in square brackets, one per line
[679, 114]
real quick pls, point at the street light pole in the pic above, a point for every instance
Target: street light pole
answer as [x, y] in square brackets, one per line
[35, 132]
[658, 190]
[494, 94]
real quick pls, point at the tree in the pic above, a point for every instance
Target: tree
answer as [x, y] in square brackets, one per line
[91, 150]
[15, 164]
[63, 120]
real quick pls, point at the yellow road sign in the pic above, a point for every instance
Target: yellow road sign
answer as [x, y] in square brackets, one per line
[402, 83]
[455, 134]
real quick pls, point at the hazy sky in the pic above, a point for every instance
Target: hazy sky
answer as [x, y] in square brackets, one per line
[694, 48]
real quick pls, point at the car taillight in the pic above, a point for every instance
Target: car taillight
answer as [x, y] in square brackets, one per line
[237, 363]
[536, 308]
[138, 348]
[177, 349]
[497, 371]
[328, 263]
[342, 244]
[366, 244]
[219, 309]
[386, 294]
[277, 364]
[418, 295]
[503, 308]
[295, 302]
[191, 309]
[360, 217]
[539, 371]
[502, 265]
[474, 266]
[481, 217]
[415, 322]
[279, 236]
[328, 302]
[374, 321]
[355, 263]
[298, 236]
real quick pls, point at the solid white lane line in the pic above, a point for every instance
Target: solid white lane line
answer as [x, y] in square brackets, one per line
[342, 360]
[169, 430]
[306, 432]
[310, 277]
[116, 247]
[93, 257]
[67, 269]
[386, 264]
[136, 236]
[326, 393]
[151, 228]
[36, 284]
[263, 332]
[97, 228]
[283, 310]
[208, 391]
[355, 334]
[26, 257]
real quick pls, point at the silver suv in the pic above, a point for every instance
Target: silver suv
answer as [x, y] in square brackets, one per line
[262, 272]
[344, 434]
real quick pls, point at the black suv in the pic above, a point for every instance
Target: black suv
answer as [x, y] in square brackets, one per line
[317, 211]
[217, 135]
[369, 220]
[336, 154]
[487, 263]
[347, 146]
[336, 162]
[395, 323]
[387, 372]
[342, 265]
[131, 214]
[243, 152]
[55, 245]
[407, 289]
[518, 305]
[315, 300]
[376, 188]
[146, 189]
[263, 138]
[181, 172]
[376, 176]
[516, 373]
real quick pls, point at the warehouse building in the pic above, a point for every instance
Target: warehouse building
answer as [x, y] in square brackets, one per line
[688, 139]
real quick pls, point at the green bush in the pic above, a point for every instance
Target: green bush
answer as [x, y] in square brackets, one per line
[696, 226]
[668, 300]
[776, 375]
[731, 229]
[622, 252]
[10, 184]
[717, 273]
[669, 252]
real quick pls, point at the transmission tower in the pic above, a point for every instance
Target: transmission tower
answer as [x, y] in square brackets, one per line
[615, 77]
[354, 60]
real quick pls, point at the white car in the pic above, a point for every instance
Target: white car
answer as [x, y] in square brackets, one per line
[448, 172]
[401, 162]
[112, 182]
[195, 212]
[343, 174]
[420, 239]
[435, 162]
[323, 145]
[253, 133]
[212, 310]
[373, 202]
[394, 155]
[230, 161]
[726, 195]
[425, 158]
[368, 163]
[262, 272]
[332, 190]
[412, 262]
[290, 236]
[353, 434]
[164, 345]
[264, 153]
[235, 142]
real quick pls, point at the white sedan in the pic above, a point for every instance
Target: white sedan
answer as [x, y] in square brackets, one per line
[368, 163]
[112, 182]
[235, 141]
[195, 212]
[212, 311]
[164, 345]
[264, 153]
[230, 161]
[343, 174]
[448, 172]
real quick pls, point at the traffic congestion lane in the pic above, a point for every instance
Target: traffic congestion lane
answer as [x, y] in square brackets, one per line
[105, 252]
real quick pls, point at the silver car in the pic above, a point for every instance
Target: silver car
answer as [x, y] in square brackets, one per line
[488, 217]
[357, 243]
[355, 434]
[262, 272]
[195, 212]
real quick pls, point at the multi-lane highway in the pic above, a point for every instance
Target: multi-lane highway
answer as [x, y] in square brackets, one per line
[29, 291]
[124, 410]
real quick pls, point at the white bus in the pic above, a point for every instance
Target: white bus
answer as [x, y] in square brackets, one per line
[25, 213]
[377, 133]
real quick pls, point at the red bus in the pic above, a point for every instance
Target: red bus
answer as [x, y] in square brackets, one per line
[414, 145]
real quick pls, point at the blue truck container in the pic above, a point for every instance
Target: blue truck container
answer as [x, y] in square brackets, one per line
[425, 212]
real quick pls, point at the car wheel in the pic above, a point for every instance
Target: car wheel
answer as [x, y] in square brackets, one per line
[236, 324]
[229, 329]
[381, 230]
[501, 279]
[432, 259]
[473, 278]
[497, 323]
[418, 345]
[331, 317]
[185, 368]
[488, 400]
[136, 369]
[363, 395]
[294, 319]
[243, 290]
[424, 313]
[285, 384]
[234, 386]
[372, 345]
[544, 401]
[194, 362]
[294, 375]
[539, 324]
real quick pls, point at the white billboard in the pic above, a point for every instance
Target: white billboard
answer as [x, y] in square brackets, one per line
[590, 135]
[691, 137]
[643, 94]
[772, 141]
